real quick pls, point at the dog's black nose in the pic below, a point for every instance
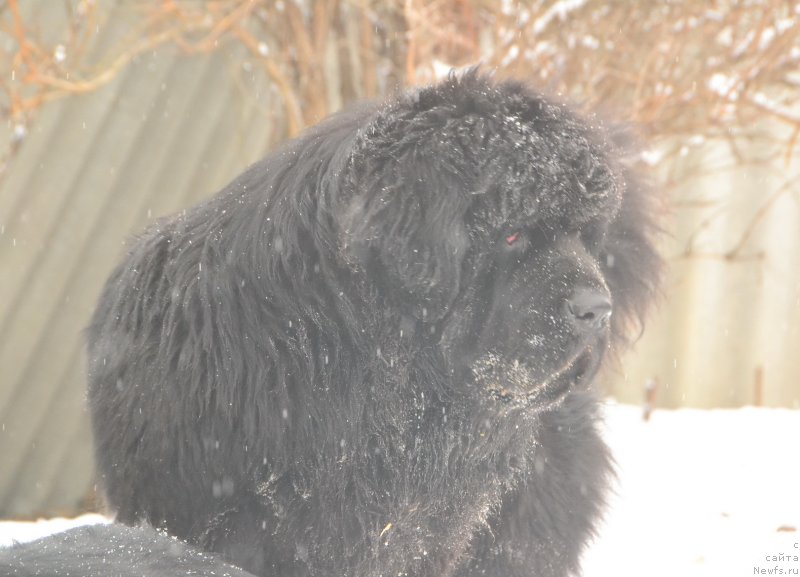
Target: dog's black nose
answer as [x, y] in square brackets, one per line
[590, 309]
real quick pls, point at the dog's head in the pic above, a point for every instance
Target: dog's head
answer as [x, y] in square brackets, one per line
[506, 227]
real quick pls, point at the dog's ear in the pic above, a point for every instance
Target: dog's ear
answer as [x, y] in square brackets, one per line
[406, 193]
[403, 226]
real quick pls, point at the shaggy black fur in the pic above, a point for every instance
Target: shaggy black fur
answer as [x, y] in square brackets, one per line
[370, 353]
[110, 551]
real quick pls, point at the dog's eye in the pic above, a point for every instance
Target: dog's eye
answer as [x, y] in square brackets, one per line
[512, 238]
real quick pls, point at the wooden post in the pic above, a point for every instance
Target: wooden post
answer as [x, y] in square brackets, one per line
[758, 399]
[650, 387]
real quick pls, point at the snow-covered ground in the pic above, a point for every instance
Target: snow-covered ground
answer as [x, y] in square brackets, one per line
[711, 493]
[24, 531]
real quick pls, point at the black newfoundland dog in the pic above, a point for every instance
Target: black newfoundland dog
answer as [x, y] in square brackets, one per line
[111, 551]
[371, 353]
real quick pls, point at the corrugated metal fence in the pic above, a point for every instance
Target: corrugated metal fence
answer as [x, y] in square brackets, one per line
[728, 332]
[92, 170]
